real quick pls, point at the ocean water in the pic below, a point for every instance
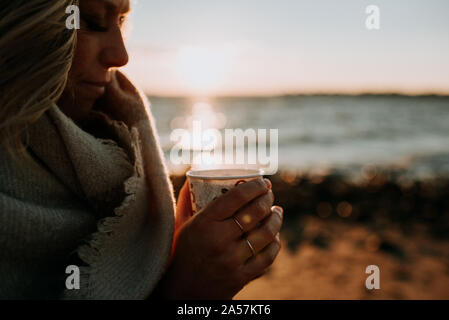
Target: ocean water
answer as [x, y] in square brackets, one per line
[340, 132]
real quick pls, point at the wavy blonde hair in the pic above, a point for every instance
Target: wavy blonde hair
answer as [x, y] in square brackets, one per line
[36, 52]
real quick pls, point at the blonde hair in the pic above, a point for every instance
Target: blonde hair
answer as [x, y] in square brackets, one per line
[36, 52]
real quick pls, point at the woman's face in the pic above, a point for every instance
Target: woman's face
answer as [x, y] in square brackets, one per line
[100, 47]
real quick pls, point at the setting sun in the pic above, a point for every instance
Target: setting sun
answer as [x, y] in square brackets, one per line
[203, 70]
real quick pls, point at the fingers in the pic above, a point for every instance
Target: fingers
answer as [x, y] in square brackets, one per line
[253, 213]
[226, 205]
[249, 216]
[261, 237]
[260, 263]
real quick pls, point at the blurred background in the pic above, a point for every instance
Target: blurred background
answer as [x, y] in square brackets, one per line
[363, 119]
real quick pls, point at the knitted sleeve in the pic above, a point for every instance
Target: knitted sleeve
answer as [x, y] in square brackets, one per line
[66, 209]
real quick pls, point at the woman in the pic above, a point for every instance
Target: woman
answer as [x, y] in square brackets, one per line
[83, 183]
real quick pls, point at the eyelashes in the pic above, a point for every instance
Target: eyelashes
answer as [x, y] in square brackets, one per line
[122, 20]
[93, 24]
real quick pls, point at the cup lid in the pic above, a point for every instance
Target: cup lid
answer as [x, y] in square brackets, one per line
[225, 174]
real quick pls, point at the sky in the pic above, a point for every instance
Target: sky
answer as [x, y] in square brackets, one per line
[272, 47]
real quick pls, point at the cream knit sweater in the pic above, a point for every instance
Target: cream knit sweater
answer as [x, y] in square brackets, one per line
[102, 201]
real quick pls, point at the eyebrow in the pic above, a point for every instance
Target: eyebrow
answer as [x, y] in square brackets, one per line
[124, 6]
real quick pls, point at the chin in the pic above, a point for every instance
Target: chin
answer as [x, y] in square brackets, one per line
[76, 109]
[83, 108]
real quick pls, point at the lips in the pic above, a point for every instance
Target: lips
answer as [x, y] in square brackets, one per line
[96, 89]
[97, 83]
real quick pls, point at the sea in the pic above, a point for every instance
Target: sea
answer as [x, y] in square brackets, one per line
[341, 132]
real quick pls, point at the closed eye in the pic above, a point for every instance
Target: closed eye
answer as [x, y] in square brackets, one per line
[94, 26]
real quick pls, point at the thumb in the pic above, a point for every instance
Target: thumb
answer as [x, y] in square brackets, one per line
[183, 206]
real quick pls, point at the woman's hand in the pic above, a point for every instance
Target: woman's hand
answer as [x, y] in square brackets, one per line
[183, 207]
[122, 101]
[211, 258]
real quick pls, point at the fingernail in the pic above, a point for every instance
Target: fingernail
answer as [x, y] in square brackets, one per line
[268, 183]
[278, 236]
[278, 210]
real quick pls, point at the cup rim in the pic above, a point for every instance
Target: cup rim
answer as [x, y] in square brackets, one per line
[197, 174]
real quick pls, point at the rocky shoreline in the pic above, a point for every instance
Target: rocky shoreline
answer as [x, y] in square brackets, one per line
[378, 198]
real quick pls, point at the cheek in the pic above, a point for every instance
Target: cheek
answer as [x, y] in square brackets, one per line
[85, 58]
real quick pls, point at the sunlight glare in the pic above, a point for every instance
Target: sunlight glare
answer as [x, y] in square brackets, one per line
[203, 70]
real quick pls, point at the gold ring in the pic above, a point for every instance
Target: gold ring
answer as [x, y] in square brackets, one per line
[238, 223]
[251, 247]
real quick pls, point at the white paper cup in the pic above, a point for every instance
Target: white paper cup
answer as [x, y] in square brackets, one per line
[207, 185]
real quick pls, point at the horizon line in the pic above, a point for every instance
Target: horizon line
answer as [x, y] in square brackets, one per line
[300, 94]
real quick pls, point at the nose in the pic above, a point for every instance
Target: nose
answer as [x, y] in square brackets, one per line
[114, 53]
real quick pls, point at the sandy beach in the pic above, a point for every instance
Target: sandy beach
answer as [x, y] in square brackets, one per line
[335, 226]
[411, 267]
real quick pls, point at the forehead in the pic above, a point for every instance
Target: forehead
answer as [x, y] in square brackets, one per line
[119, 6]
